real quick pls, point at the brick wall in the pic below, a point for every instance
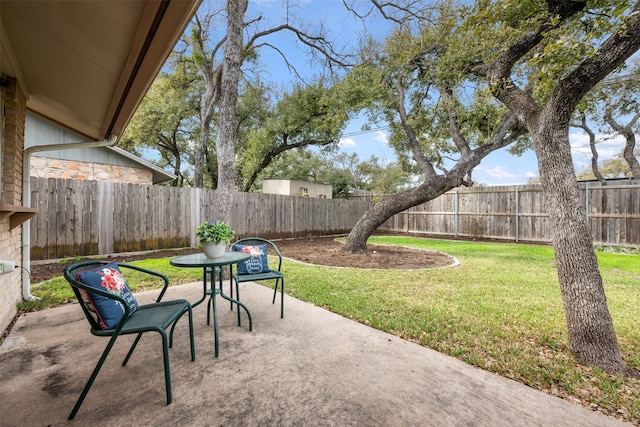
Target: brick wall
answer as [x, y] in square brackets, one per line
[45, 167]
[11, 240]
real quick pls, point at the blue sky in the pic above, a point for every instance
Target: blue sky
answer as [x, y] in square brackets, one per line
[499, 168]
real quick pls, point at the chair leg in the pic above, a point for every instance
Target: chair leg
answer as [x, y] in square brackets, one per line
[275, 290]
[231, 285]
[238, 298]
[173, 327]
[193, 348]
[93, 376]
[282, 299]
[133, 347]
[212, 293]
[215, 324]
[167, 373]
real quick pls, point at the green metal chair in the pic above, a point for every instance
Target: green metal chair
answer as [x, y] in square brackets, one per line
[271, 274]
[156, 316]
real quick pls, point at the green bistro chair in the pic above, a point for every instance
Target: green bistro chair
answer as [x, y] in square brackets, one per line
[111, 310]
[257, 268]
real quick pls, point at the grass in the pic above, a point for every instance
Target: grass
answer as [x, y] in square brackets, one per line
[500, 310]
[56, 291]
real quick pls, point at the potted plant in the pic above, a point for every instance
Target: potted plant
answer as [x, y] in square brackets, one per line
[214, 237]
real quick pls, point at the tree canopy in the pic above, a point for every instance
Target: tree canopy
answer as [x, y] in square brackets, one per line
[538, 59]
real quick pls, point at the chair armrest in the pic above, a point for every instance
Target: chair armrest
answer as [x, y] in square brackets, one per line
[152, 273]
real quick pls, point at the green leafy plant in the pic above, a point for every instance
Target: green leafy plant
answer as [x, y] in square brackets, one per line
[214, 231]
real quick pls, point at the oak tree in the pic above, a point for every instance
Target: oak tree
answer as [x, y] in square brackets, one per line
[539, 59]
[441, 125]
[542, 58]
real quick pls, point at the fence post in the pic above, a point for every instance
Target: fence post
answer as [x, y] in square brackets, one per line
[456, 216]
[196, 205]
[517, 213]
[406, 214]
[105, 217]
[586, 202]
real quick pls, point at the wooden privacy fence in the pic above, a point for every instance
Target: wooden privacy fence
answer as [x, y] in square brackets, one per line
[518, 213]
[79, 217]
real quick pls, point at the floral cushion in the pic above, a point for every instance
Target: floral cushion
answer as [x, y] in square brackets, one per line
[107, 278]
[258, 261]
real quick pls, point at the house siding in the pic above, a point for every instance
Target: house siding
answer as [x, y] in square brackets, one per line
[46, 167]
[11, 239]
[292, 187]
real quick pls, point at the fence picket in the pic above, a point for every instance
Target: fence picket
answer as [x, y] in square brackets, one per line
[494, 212]
[79, 217]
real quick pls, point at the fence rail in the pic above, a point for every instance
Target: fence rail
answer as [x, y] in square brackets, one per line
[518, 213]
[79, 217]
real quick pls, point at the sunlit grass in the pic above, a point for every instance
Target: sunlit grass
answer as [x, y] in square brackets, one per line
[500, 310]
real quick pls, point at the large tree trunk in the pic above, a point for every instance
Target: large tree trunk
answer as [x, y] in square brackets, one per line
[589, 324]
[376, 216]
[225, 142]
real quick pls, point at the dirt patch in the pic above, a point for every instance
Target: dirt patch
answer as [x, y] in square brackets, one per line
[317, 250]
[326, 251]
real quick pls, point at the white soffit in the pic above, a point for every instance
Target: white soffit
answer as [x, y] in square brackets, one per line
[87, 64]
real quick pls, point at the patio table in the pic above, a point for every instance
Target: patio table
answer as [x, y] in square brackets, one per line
[213, 267]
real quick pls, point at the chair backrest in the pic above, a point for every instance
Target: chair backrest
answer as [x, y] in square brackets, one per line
[82, 291]
[272, 249]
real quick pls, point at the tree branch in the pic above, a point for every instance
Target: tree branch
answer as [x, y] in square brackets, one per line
[507, 132]
[418, 155]
[316, 43]
[609, 56]
[397, 12]
[458, 139]
[288, 64]
[592, 145]
[498, 73]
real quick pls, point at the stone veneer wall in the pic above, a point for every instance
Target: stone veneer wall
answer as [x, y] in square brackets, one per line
[11, 240]
[45, 167]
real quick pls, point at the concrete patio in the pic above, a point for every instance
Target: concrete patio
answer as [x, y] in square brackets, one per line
[311, 368]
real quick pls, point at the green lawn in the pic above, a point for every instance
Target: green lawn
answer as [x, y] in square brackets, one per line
[500, 310]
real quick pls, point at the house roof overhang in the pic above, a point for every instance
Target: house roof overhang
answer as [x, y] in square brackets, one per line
[86, 65]
[159, 175]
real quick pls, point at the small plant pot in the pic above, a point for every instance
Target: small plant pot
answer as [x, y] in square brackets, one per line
[213, 250]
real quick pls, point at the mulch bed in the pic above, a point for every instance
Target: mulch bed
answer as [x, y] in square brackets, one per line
[316, 250]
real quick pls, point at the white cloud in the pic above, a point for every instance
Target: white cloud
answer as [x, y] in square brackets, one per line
[263, 2]
[381, 137]
[608, 146]
[502, 175]
[347, 143]
[498, 172]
